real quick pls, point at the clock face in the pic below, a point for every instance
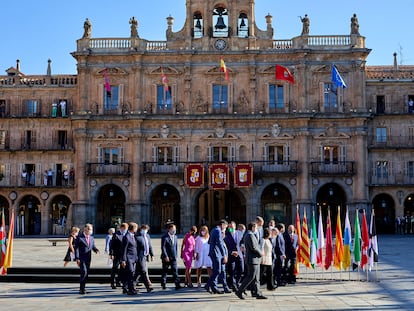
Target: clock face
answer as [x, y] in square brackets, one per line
[220, 44]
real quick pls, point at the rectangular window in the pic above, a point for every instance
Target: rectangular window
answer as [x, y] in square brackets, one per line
[62, 139]
[380, 104]
[31, 108]
[2, 108]
[111, 101]
[381, 134]
[165, 155]
[164, 99]
[220, 98]
[28, 140]
[220, 154]
[3, 135]
[382, 169]
[276, 96]
[275, 155]
[110, 156]
[410, 169]
[330, 97]
[331, 154]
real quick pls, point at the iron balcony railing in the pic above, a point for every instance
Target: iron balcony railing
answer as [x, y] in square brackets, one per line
[343, 168]
[108, 169]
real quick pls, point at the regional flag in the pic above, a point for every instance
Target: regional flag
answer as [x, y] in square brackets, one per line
[321, 241]
[2, 239]
[365, 241]
[164, 81]
[328, 251]
[314, 242]
[339, 243]
[347, 243]
[357, 240]
[304, 246]
[282, 73]
[223, 68]
[298, 258]
[107, 85]
[8, 259]
[373, 242]
[337, 79]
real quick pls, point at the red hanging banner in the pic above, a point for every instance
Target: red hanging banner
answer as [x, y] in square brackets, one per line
[218, 176]
[194, 175]
[243, 175]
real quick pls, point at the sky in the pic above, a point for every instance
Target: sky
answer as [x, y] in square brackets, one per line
[35, 31]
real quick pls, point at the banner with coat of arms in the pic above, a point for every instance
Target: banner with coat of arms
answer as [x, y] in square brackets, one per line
[243, 175]
[194, 175]
[218, 176]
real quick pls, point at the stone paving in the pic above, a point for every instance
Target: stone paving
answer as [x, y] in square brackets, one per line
[390, 287]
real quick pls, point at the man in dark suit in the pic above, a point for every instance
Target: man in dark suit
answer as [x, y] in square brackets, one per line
[234, 263]
[218, 255]
[253, 258]
[278, 243]
[84, 245]
[143, 251]
[169, 251]
[129, 257]
[148, 253]
[116, 252]
[291, 245]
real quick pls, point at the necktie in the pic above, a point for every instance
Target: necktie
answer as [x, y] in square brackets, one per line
[87, 240]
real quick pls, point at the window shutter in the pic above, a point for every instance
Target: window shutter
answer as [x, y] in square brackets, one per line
[210, 154]
[7, 174]
[342, 154]
[232, 151]
[121, 155]
[155, 154]
[265, 152]
[320, 156]
[176, 154]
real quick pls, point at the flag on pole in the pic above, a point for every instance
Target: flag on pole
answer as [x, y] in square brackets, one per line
[2, 239]
[304, 246]
[321, 241]
[357, 240]
[164, 81]
[339, 243]
[282, 73]
[337, 79]
[223, 68]
[365, 241]
[328, 251]
[314, 242]
[107, 85]
[8, 258]
[298, 258]
[373, 242]
[347, 243]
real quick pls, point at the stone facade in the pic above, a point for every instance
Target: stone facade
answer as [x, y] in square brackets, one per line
[138, 112]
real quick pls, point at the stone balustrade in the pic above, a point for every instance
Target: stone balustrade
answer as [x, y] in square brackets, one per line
[39, 80]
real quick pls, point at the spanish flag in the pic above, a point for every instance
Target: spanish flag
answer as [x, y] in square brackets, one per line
[223, 68]
[7, 263]
[164, 81]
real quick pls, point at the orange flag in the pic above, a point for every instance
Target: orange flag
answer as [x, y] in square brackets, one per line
[339, 243]
[305, 245]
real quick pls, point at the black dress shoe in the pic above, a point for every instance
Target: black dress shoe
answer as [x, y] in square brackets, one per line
[240, 295]
[178, 286]
[227, 291]
[149, 289]
[261, 297]
[113, 286]
[118, 284]
[208, 290]
[132, 292]
[124, 291]
[82, 292]
[217, 291]
[163, 286]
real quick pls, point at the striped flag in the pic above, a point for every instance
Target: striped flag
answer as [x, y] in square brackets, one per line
[8, 258]
[223, 68]
[321, 241]
[339, 243]
[357, 240]
[305, 245]
[314, 242]
[328, 251]
[347, 243]
[298, 258]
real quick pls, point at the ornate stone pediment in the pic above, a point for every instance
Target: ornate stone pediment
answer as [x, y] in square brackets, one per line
[217, 70]
[167, 70]
[106, 136]
[332, 133]
[112, 71]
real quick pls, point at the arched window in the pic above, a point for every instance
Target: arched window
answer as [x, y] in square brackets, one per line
[243, 26]
[198, 25]
[220, 22]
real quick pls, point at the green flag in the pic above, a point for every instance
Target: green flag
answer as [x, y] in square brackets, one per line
[314, 242]
[357, 240]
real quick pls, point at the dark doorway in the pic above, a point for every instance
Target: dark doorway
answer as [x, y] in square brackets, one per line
[165, 208]
[331, 197]
[276, 203]
[110, 209]
[29, 219]
[384, 213]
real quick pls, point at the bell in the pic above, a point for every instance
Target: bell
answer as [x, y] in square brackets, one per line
[198, 24]
[220, 23]
[242, 24]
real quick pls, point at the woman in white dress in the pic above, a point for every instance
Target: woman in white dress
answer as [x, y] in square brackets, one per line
[202, 260]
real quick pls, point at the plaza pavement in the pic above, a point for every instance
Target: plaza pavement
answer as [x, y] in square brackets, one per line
[390, 287]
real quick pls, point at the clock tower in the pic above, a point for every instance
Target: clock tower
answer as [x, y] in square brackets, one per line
[225, 25]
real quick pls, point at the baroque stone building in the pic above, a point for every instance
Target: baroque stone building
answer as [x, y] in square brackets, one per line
[122, 139]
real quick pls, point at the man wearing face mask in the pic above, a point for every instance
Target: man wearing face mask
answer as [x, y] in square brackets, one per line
[115, 251]
[234, 265]
[84, 246]
[169, 251]
[144, 253]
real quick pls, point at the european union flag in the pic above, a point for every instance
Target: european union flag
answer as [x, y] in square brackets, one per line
[337, 79]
